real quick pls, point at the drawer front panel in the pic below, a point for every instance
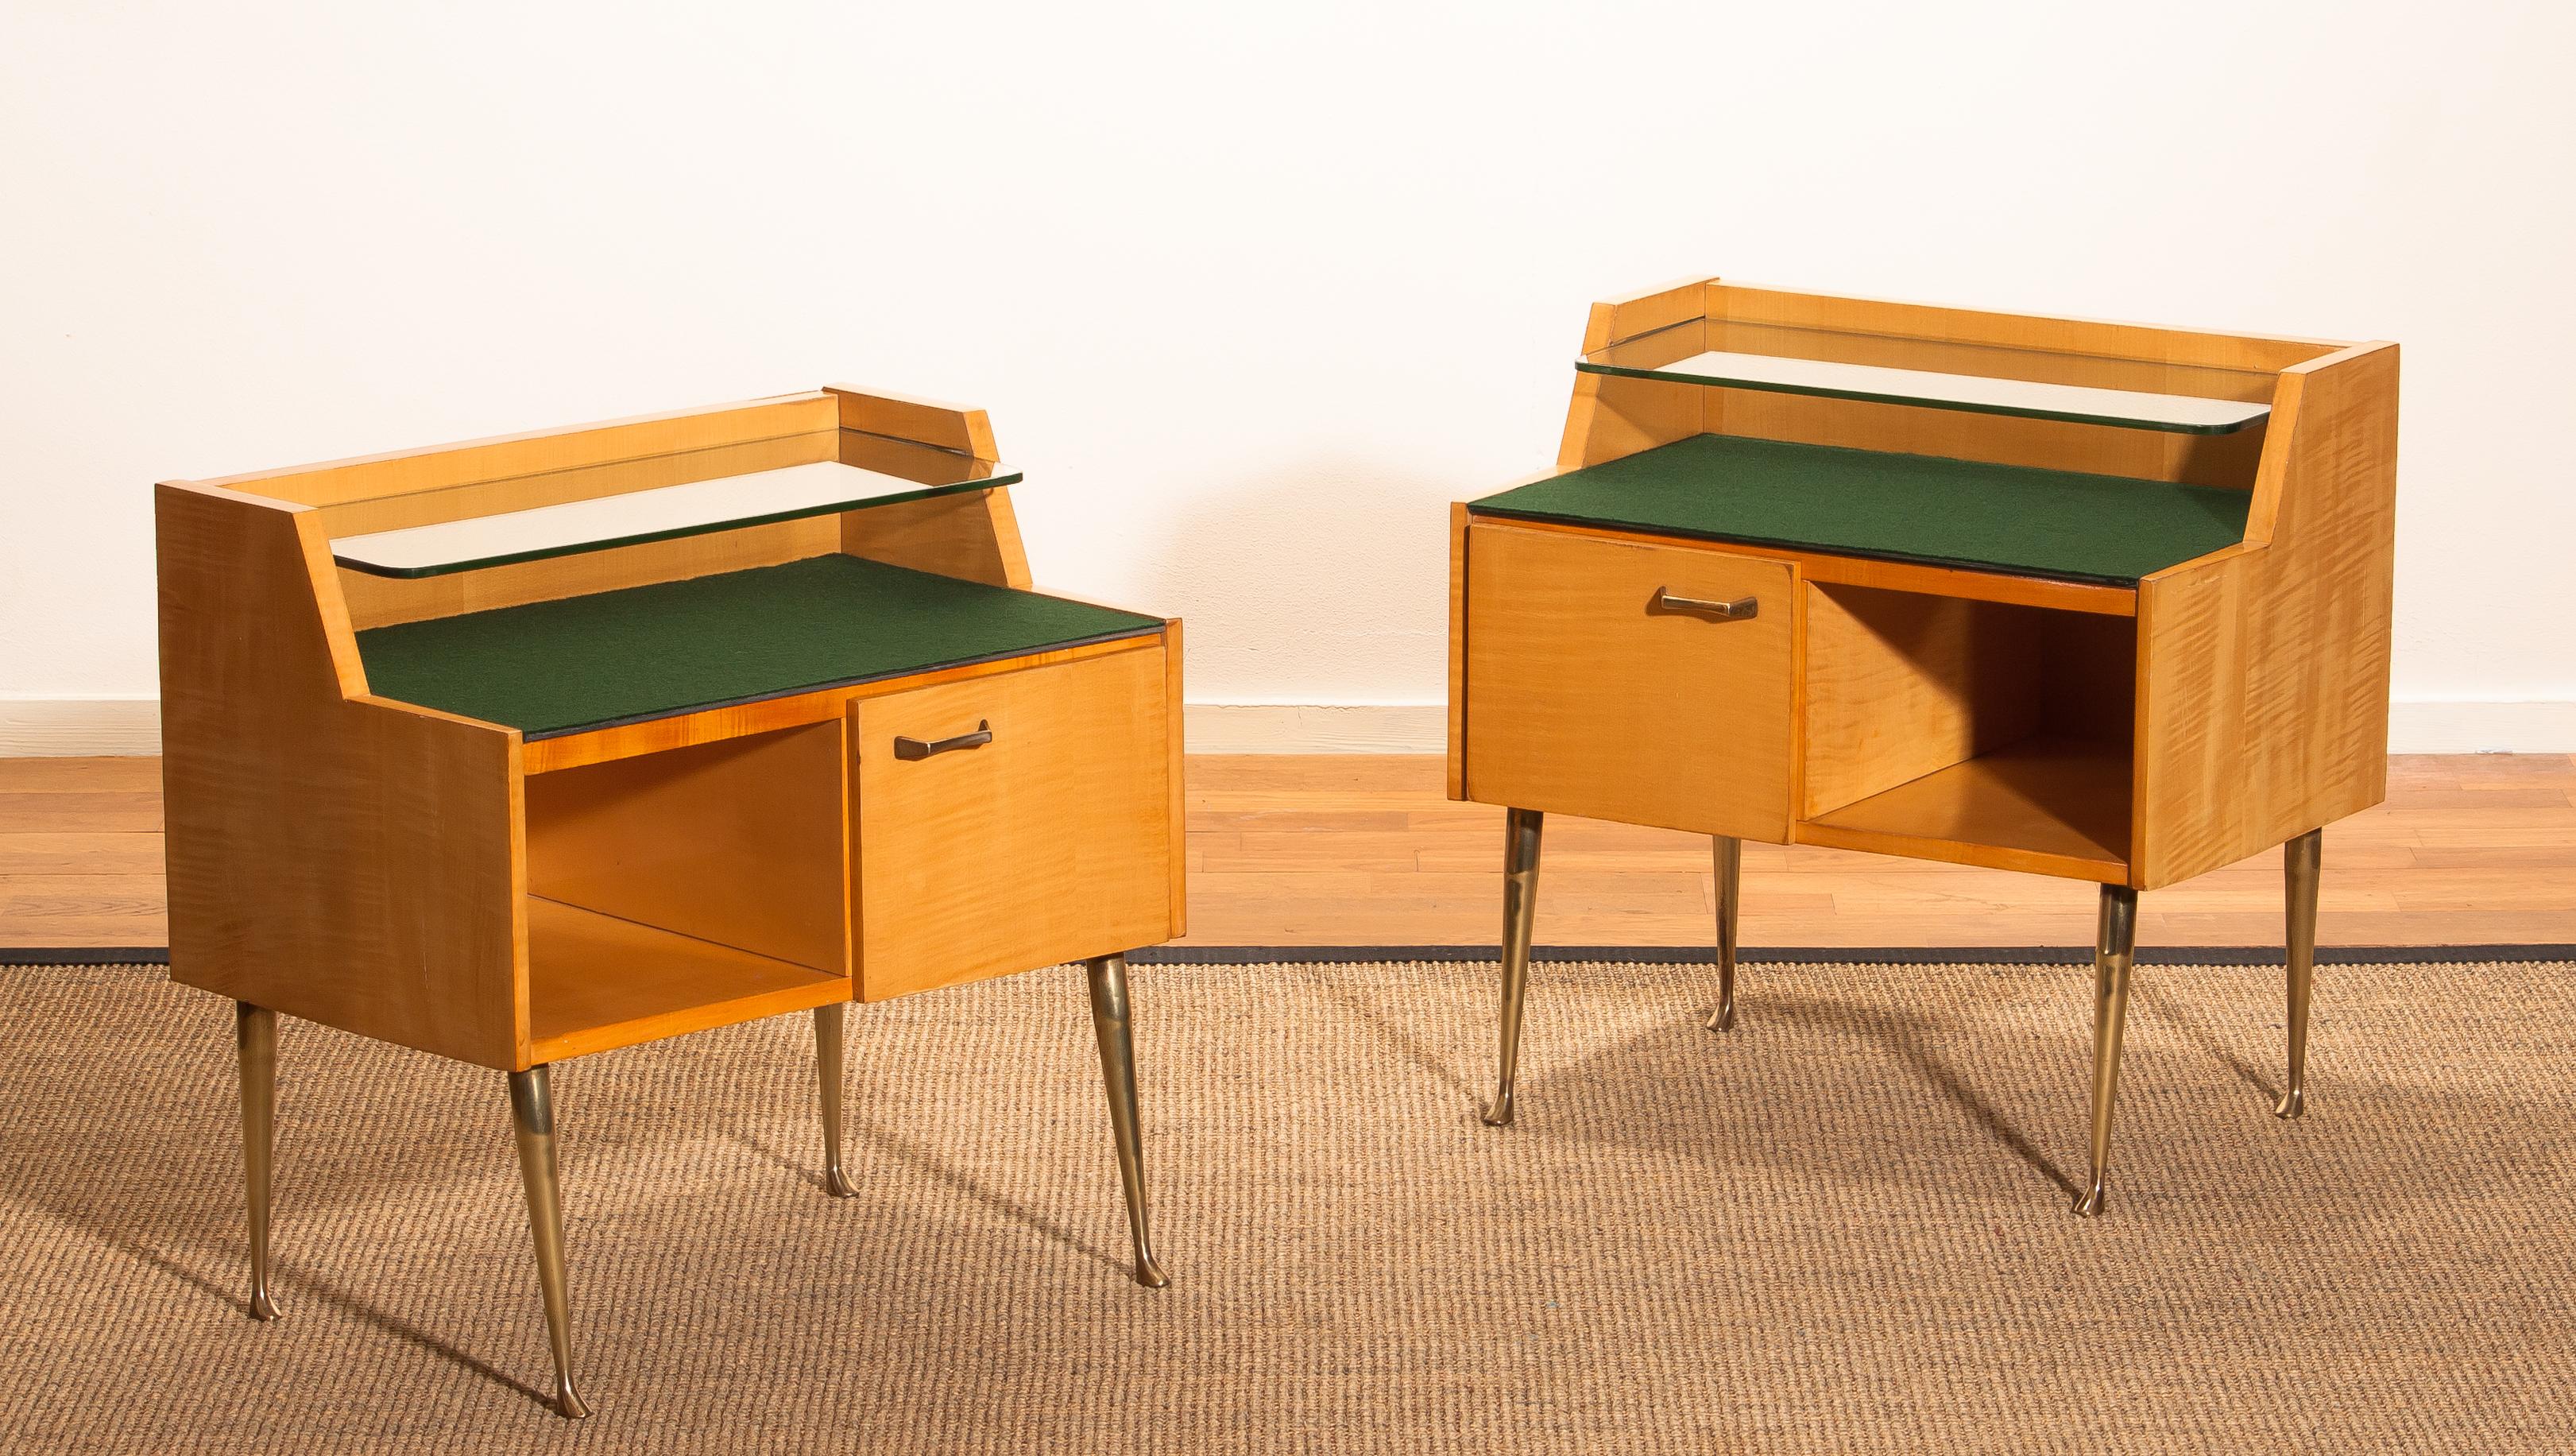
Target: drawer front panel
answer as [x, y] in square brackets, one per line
[1603, 680]
[1051, 841]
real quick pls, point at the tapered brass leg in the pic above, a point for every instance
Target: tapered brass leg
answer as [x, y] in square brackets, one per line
[2115, 949]
[1118, 1068]
[827, 1068]
[1729, 853]
[2300, 858]
[255, 1036]
[532, 1119]
[1520, 910]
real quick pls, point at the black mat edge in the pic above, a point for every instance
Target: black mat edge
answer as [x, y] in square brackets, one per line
[1982, 955]
[1976, 955]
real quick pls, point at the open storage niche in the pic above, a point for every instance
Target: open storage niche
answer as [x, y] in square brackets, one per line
[693, 887]
[1974, 731]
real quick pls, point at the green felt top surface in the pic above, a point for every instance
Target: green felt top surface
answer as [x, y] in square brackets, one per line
[551, 668]
[2006, 518]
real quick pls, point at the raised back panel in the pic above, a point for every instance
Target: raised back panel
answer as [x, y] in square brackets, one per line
[434, 505]
[1743, 304]
[519, 472]
[1671, 324]
[441, 467]
[2227, 460]
[377, 601]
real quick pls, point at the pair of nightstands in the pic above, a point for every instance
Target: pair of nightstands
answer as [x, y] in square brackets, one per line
[528, 748]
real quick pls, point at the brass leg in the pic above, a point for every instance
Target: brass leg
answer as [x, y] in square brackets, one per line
[255, 1035]
[1520, 909]
[2299, 866]
[1729, 853]
[827, 1067]
[532, 1119]
[1118, 1068]
[2115, 949]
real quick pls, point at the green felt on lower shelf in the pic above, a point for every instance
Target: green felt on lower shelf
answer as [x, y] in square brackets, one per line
[1965, 513]
[551, 668]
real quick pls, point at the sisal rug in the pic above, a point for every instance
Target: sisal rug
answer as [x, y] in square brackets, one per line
[1841, 1228]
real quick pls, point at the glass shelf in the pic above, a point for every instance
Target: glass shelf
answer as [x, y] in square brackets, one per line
[1980, 379]
[695, 509]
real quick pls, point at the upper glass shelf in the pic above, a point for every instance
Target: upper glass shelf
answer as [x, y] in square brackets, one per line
[1980, 379]
[695, 509]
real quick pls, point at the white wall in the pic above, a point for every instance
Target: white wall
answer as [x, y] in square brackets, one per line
[1251, 291]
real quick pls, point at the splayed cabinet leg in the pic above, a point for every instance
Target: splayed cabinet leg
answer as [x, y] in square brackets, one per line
[1520, 911]
[255, 1037]
[2115, 951]
[2300, 859]
[532, 1120]
[1728, 853]
[828, 1023]
[1109, 1020]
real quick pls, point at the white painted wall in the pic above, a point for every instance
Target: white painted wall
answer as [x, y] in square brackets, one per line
[1252, 292]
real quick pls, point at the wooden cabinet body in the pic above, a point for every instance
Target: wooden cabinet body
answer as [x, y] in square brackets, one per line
[2132, 731]
[509, 897]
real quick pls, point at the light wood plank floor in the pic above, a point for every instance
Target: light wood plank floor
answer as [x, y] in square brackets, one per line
[1362, 850]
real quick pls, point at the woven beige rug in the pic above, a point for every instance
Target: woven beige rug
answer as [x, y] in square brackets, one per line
[1841, 1228]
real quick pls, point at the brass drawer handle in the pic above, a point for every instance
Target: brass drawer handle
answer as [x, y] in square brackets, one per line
[913, 748]
[1734, 611]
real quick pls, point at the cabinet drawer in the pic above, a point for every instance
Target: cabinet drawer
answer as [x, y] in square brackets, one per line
[1052, 841]
[1591, 690]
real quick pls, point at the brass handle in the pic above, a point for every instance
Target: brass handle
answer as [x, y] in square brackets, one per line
[1734, 611]
[913, 748]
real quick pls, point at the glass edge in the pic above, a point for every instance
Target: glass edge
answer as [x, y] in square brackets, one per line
[1587, 365]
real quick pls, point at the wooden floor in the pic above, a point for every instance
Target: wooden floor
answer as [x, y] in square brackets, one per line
[1352, 850]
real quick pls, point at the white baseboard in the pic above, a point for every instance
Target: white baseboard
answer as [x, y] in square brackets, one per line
[2450, 725]
[56, 727]
[1317, 728]
[79, 727]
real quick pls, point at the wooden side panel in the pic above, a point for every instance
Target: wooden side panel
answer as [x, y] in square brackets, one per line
[2263, 673]
[1899, 685]
[439, 467]
[331, 856]
[928, 422]
[1175, 767]
[1643, 313]
[739, 842]
[1050, 843]
[972, 535]
[1457, 650]
[1583, 700]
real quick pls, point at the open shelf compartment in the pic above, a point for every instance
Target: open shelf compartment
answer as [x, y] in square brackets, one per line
[1970, 731]
[686, 889]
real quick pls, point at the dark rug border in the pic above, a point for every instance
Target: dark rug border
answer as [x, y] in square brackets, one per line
[1977, 955]
[1980, 955]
